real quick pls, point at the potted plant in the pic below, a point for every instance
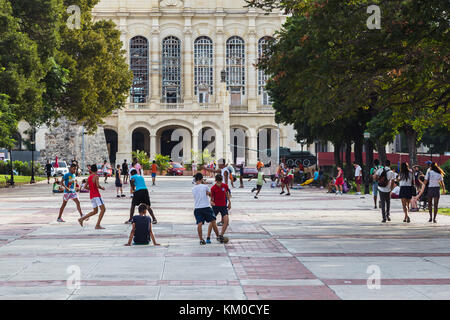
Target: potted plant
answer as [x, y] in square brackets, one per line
[163, 163]
[143, 160]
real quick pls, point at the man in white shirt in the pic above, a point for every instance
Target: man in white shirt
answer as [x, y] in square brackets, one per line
[358, 177]
[203, 212]
[384, 177]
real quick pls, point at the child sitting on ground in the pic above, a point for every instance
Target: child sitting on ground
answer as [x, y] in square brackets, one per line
[57, 188]
[142, 228]
[83, 186]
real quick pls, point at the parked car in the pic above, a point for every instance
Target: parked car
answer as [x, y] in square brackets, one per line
[176, 169]
[100, 170]
[61, 170]
[250, 172]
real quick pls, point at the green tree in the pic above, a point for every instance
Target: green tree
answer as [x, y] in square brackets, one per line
[8, 123]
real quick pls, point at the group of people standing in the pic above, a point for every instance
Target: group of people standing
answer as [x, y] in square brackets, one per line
[413, 186]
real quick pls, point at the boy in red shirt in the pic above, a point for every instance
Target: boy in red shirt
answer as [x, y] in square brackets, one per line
[220, 202]
[93, 186]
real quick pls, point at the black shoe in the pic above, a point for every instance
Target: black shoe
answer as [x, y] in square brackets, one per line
[408, 220]
[202, 242]
[223, 239]
[384, 221]
[123, 196]
[288, 194]
[118, 196]
[253, 190]
[430, 220]
[388, 218]
[281, 192]
[256, 197]
[434, 221]
[404, 220]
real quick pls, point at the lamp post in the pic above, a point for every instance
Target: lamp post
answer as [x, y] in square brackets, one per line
[11, 167]
[33, 142]
[431, 152]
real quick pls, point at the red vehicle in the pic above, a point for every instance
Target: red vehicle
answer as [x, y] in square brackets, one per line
[250, 172]
[100, 170]
[175, 169]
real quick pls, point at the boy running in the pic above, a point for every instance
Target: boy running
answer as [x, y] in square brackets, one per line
[154, 168]
[259, 182]
[140, 195]
[93, 185]
[203, 212]
[220, 201]
[68, 183]
[125, 171]
[142, 228]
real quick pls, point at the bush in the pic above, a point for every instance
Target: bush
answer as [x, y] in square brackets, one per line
[143, 159]
[162, 162]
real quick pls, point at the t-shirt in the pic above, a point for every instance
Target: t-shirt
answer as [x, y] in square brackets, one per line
[358, 171]
[219, 194]
[200, 196]
[390, 175]
[223, 172]
[409, 182]
[142, 229]
[69, 178]
[396, 190]
[260, 178]
[374, 169]
[316, 175]
[139, 182]
[124, 168]
[433, 179]
[48, 167]
[154, 167]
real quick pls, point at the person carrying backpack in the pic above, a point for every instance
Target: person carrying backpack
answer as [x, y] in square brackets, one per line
[384, 177]
[375, 168]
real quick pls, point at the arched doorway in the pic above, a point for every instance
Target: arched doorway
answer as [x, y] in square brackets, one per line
[239, 144]
[175, 142]
[111, 143]
[141, 140]
[268, 145]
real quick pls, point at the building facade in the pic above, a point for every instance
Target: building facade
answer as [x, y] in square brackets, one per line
[179, 51]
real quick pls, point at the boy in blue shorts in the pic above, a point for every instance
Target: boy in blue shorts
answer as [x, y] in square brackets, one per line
[203, 212]
[220, 201]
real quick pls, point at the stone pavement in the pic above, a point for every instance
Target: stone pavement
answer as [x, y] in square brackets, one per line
[312, 245]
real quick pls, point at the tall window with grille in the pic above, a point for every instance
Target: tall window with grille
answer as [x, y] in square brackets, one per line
[203, 68]
[171, 70]
[236, 69]
[139, 67]
[263, 45]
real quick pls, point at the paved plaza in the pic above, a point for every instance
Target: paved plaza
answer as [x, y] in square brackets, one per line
[312, 245]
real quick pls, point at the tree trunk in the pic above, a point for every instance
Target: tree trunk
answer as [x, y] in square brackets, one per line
[411, 140]
[381, 153]
[348, 159]
[337, 153]
[359, 150]
[369, 163]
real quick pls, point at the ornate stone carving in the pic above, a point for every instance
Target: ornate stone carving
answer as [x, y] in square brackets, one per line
[171, 3]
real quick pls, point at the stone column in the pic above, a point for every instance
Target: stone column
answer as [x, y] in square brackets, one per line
[224, 94]
[155, 63]
[253, 146]
[124, 139]
[187, 55]
[219, 55]
[152, 145]
[251, 61]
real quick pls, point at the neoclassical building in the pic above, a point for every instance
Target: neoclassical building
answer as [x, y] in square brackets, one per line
[178, 52]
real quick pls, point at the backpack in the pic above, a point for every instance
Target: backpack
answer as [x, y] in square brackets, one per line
[382, 179]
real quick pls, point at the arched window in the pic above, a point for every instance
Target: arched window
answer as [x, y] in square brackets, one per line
[236, 68]
[139, 67]
[203, 68]
[171, 70]
[263, 45]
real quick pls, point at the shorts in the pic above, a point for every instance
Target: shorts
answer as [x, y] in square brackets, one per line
[258, 187]
[286, 180]
[49, 174]
[222, 210]
[125, 173]
[97, 202]
[358, 180]
[118, 184]
[434, 192]
[339, 181]
[204, 215]
[406, 192]
[141, 196]
[375, 189]
[69, 196]
[153, 174]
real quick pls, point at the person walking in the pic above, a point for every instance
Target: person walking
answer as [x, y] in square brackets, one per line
[154, 169]
[119, 182]
[68, 183]
[384, 177]
[241, 175]
[125, 171]
[48, 170]
[373, 170]
[339, 182]
[93, 185]
[435, 180]
[406, 183]
[358, 177]
[105, 170]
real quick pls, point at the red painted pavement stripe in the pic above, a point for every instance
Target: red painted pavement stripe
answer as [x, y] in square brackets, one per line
[385, 254]
[392, 282]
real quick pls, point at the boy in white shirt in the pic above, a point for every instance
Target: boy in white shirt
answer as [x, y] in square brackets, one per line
[203, 212]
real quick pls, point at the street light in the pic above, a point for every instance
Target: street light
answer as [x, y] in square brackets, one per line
[431, 152]
[367, 173]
